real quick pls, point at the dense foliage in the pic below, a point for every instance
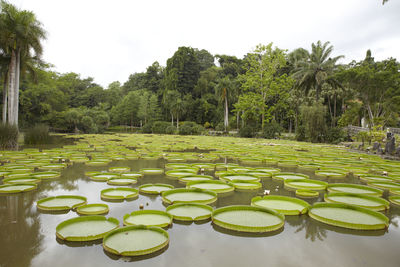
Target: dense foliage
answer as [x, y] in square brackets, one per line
[268, 91]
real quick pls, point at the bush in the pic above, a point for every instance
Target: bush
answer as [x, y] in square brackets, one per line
[39, 134]
[170, 129]
[301, 133]
[313, 119]
[335, 135]
[147, 128]
[160, 127]
[87, 125]
[248, 131]
[8, 136]
[190, 128]
[271, 130]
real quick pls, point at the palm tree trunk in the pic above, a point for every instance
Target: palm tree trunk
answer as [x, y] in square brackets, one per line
[17, 76]
[237, 120]
[11, 87]
[5, 98]
[177, 121]
[226, 119]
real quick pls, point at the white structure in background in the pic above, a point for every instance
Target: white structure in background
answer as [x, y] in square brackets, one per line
[364, 123]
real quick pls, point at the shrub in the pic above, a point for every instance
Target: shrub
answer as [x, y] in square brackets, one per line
[39, 134]
[248, 131]
[147, 128]
[8, 136]
[160, 127]
[87, 125]
[301, 133]
[170, 129]
[335, 135]
[190, 128]
[271, 130]
[313, 119]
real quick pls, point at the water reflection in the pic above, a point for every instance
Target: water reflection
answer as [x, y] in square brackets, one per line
[20, 230]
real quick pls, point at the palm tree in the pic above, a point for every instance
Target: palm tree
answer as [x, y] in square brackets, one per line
[223, 92]
[313, 69]
[21, 34]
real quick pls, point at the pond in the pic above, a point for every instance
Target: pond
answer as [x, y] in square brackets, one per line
[27, 235]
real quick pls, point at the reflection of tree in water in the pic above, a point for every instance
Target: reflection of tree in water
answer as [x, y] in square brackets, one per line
[312, 228]
[20, 235]
[394, 216]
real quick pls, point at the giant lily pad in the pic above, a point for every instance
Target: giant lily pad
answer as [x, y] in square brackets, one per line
[330, 173]
[92, 209]
[354, 188]
[246, 185]
[189, 178]
[46, 175]
[348, 216]
[248, 218]
[385, 185]
[306, 193]
[217, 186]
[154, 188]
[104, 176]
[240, 176]
[135, 240]
[395, 200]
[86, 228]
[17, 188]
[189, 211]
[60, 203]
[282, 204]
[21, 180]
[361, 200]
[289, 175]
[189, 195]
[121, 181]
[119, 193]
[149, 218]
[305, 184]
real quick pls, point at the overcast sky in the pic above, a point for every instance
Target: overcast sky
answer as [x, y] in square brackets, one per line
[109, 40]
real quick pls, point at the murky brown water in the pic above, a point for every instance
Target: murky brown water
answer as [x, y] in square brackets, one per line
[27, 236]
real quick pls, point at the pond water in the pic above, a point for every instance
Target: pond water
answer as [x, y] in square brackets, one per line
[27, 236]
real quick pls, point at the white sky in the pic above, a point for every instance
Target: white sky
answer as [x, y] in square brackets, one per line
[109, 40]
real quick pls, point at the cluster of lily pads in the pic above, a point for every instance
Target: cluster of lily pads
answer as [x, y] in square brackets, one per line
[208, 168]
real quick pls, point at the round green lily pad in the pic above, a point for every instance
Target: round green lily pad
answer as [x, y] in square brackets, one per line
[60, 203]
[246, 185]
[104, 176]
[354, 188]
[148, 217]
[289, 175]
[121, 181]
[375, 178]
[330, 174]
[248, 218]
[17, 188]
[119, 169]
[217, 186]
[190, 211]
[92, 209]
[282, 204]
[151, 171]
[306, 193]
[97, 162]
[21, 180]
[361, 200]
[135, 175]
[305, 184]
[395, 200]
[155, 188]
[135, 240]
[119, 193]
[86, 228]
[239, 176]
[53, 166]
[176, 173]
[190, 178]
[46, 175]
[272, 171]
[385, 185]
[348, 216]
[189, 195]
[394, 191]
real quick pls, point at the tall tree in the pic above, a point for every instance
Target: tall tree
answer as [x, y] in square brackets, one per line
[261, 79]
[316, 68]
[182, 71]
[21, 34]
